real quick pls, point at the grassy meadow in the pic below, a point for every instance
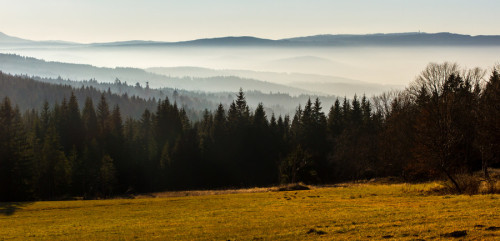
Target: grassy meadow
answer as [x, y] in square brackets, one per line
[346, 212]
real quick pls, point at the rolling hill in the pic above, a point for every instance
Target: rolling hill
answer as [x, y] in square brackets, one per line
[380, 39]
[15, 64]
[332, 85]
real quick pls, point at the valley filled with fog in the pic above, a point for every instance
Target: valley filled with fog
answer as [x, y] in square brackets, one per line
[377, 68]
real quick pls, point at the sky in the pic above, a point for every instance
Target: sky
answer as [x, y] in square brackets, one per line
[176, 20]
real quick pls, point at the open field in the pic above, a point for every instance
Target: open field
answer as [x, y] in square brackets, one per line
[350, 212]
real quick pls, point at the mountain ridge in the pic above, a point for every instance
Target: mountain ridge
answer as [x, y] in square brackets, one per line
[377, 39]
[16, 64]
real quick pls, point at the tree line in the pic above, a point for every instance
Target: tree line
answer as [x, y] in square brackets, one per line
[445, 124]
[137, 82]
[17, 88]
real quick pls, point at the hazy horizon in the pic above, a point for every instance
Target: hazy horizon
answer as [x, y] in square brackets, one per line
[242, 36]
[381, 65]
[106, 21]
[109, 21]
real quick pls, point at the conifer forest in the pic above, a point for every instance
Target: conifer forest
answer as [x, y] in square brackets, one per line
[445, 124]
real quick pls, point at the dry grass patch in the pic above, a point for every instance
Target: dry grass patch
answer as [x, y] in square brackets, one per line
[288, 187]
[349, 212]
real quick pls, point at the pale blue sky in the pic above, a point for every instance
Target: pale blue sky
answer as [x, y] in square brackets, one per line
[107, 20]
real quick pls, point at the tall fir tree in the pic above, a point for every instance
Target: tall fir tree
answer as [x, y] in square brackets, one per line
[16, 156]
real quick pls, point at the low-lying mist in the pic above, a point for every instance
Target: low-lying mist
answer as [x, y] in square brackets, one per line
[394, 66]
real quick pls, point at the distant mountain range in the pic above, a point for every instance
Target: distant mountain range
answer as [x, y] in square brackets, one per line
[15, 64]
[323, 84]
[6, 39]
[194, 78]
[391, 39]
[193, 93]
[10, 40]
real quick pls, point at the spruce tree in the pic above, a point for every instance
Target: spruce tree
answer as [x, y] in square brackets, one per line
[103, 115]
[16, 156]
[366, 110]
[335, 120]
[55, 178]
[356, 113]
[346, 112]
[75, 130]
[489, 128]
[107, 177]
[89, 119]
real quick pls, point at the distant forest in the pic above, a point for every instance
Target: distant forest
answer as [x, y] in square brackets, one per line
[445, 124]
[134, 82]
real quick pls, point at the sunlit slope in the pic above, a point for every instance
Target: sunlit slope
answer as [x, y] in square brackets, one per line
[398, 212]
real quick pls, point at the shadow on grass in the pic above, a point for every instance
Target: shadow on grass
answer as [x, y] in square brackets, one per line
[9, 208]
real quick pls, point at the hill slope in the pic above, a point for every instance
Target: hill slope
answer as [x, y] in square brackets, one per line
[28, 94]
[333, 85]
[15, 64]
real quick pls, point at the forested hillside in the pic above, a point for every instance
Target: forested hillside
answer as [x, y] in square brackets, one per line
[194, 102]
[28, 94]
[445, 124]
[15, 64]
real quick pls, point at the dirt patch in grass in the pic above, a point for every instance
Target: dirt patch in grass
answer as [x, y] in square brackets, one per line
[455, 234]
[493, 228]
[314, 231]
[294, 187]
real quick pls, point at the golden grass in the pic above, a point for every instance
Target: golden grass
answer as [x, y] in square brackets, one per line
[205, 192]
[348, 212]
